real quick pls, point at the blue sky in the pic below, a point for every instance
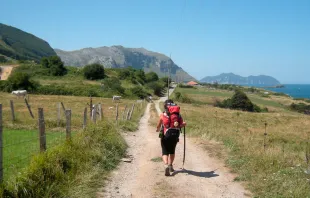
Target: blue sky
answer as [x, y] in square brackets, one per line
[204, 37]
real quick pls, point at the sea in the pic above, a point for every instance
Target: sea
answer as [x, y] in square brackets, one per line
[294, 90]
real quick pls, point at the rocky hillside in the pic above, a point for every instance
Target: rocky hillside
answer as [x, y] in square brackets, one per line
[230, 78]
[20, 45]
[119, 57]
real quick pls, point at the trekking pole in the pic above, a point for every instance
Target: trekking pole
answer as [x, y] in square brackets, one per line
[184, 149]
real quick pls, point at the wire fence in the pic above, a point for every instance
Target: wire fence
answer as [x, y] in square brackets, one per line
[19, 146]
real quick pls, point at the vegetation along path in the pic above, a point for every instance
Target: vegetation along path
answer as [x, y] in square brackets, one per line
[141, 174]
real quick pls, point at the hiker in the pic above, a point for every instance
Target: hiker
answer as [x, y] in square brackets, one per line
[169, 126]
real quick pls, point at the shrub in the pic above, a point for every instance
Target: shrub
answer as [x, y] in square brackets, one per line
[157, 88]
[301, 108]
[139, 92]
[94, 72]
[113, 85]
[18, 81]
[239, 101]
[151, 77]
[55, 65]
[183, 98]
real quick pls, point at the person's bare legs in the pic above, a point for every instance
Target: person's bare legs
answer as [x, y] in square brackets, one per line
[165, 159]
[171, 159]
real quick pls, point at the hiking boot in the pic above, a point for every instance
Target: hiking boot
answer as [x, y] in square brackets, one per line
[167, 173]
[171, 168]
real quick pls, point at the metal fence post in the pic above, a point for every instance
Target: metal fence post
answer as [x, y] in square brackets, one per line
[42, 136]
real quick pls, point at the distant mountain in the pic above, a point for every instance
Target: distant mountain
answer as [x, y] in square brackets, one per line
[230, 78]
[20, 45]
[120, 57]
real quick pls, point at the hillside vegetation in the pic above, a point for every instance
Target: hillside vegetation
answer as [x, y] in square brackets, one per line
[50, 77]
[20, 45]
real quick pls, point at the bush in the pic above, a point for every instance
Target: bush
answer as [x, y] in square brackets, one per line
[301, 108]
[183, 98]
[2, 59]
[139, 92]
[54, 65]
[239, 101]
[157, 88]
[20, 81]
[151, 77]
[94, 72]
[113, 85]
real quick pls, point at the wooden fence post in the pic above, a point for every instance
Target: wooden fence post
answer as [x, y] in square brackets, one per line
[94, 114]
[29, 109]
[85, 118]
[128, 112]
[63, 107]
[124, 112]
[100, 111]
[91, 107]
[116, 117]
[132, 109]
[58, 114]
[12, 110]
[42, 136]
[68, 124]
[1, 146]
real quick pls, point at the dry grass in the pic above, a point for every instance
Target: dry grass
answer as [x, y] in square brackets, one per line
[49, 103]
[276, 172]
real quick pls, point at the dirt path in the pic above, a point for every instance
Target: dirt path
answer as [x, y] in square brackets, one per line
[6, 71]
[202, 176]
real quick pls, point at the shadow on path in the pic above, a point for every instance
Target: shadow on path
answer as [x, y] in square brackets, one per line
[208, 174]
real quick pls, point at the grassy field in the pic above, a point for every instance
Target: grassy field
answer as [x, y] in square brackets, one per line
[208, 96]
[21, 137]
[19, 146]
[274, 170]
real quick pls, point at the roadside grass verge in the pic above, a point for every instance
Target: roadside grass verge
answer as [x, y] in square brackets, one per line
[20, 145]
[277, 170]
[72, 169]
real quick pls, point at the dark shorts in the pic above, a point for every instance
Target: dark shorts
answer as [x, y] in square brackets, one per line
[168, 146]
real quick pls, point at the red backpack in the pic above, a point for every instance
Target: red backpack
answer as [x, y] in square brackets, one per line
[174, 118]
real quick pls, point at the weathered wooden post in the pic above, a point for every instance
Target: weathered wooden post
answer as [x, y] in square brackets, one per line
[68, 124]
[42, 136]
[132, 109]
[63, 107]
[128, 112]
[100, 111]
[124, 112]
[12, 110]
[94, 113]
[58, 114]
[1, 146]
[116, 117]
[91, 107]
[85, 118]
[29, 109]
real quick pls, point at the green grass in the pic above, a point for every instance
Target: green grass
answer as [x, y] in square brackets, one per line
[21, 145]
[276, 172]
[225, 94]
[157, 159]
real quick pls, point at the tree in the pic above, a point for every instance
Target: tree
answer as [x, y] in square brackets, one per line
[94, 72]
[140, 76]
[54, 65]
[3, 59]
[151, 77]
